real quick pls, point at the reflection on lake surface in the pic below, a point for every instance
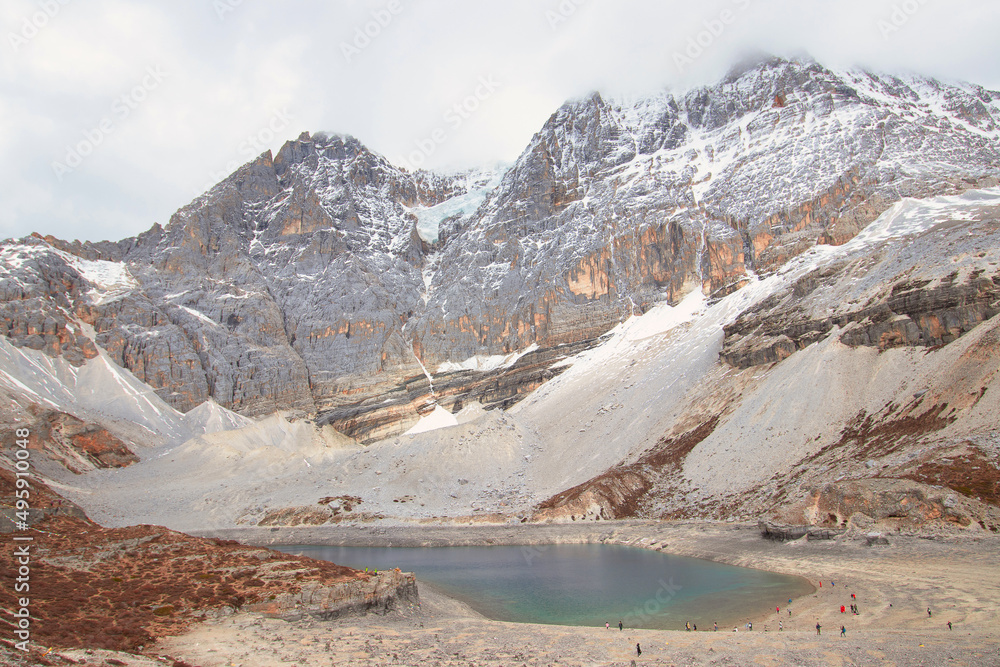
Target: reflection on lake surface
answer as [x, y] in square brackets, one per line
[582, 584]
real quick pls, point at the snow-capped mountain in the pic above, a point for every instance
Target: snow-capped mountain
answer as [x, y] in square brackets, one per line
[325, 279]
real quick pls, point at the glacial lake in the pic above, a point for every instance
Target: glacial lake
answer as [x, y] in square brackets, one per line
[583, 584]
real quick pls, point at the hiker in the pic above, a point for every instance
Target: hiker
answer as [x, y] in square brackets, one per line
[789, 613]
[750, 625]
[853, 596]
[716, 628]
[928, 612]
[777, 610]
[818, 627]
[843, 609]
[949, 625]
[843, 631]
[620, 626]
[780, 626]
[687, 626]
[638, 649]
[607, 626]
[694, 626]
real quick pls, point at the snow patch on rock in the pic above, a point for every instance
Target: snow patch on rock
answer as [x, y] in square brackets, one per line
[439, 418]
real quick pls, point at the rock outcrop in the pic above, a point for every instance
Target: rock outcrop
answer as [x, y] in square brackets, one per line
[382, 592]
[79, 446]
[927, 313]
[897, 503]
[783, 533]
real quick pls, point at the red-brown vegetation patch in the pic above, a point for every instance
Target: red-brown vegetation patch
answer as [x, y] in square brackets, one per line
[873, 436]
[669, 453]
[119, 588]
[620, 490]
[971, 474]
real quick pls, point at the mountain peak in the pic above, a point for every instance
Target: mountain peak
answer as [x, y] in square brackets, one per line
[316, 278]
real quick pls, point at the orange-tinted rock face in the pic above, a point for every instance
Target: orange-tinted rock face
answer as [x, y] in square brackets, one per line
[104, 449]
[75, 444]
[590, 278]
[823, 219]
[726, 266]
[304, 214]
[908, 503]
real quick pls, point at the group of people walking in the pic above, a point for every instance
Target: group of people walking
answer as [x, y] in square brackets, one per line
[689, 626]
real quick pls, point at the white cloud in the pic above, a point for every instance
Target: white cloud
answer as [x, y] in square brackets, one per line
[228, 78]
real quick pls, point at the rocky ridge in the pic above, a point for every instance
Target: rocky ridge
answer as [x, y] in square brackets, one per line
[302, 281]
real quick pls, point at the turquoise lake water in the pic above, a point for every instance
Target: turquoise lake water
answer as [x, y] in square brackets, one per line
[583, 584]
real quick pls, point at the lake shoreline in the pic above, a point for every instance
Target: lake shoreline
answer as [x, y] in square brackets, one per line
[595, 582]
[955, 575]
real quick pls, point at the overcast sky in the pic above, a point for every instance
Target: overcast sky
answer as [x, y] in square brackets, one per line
[114, 113]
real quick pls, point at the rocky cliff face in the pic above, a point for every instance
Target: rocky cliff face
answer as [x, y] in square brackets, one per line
[302, 281]
[852, 389]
